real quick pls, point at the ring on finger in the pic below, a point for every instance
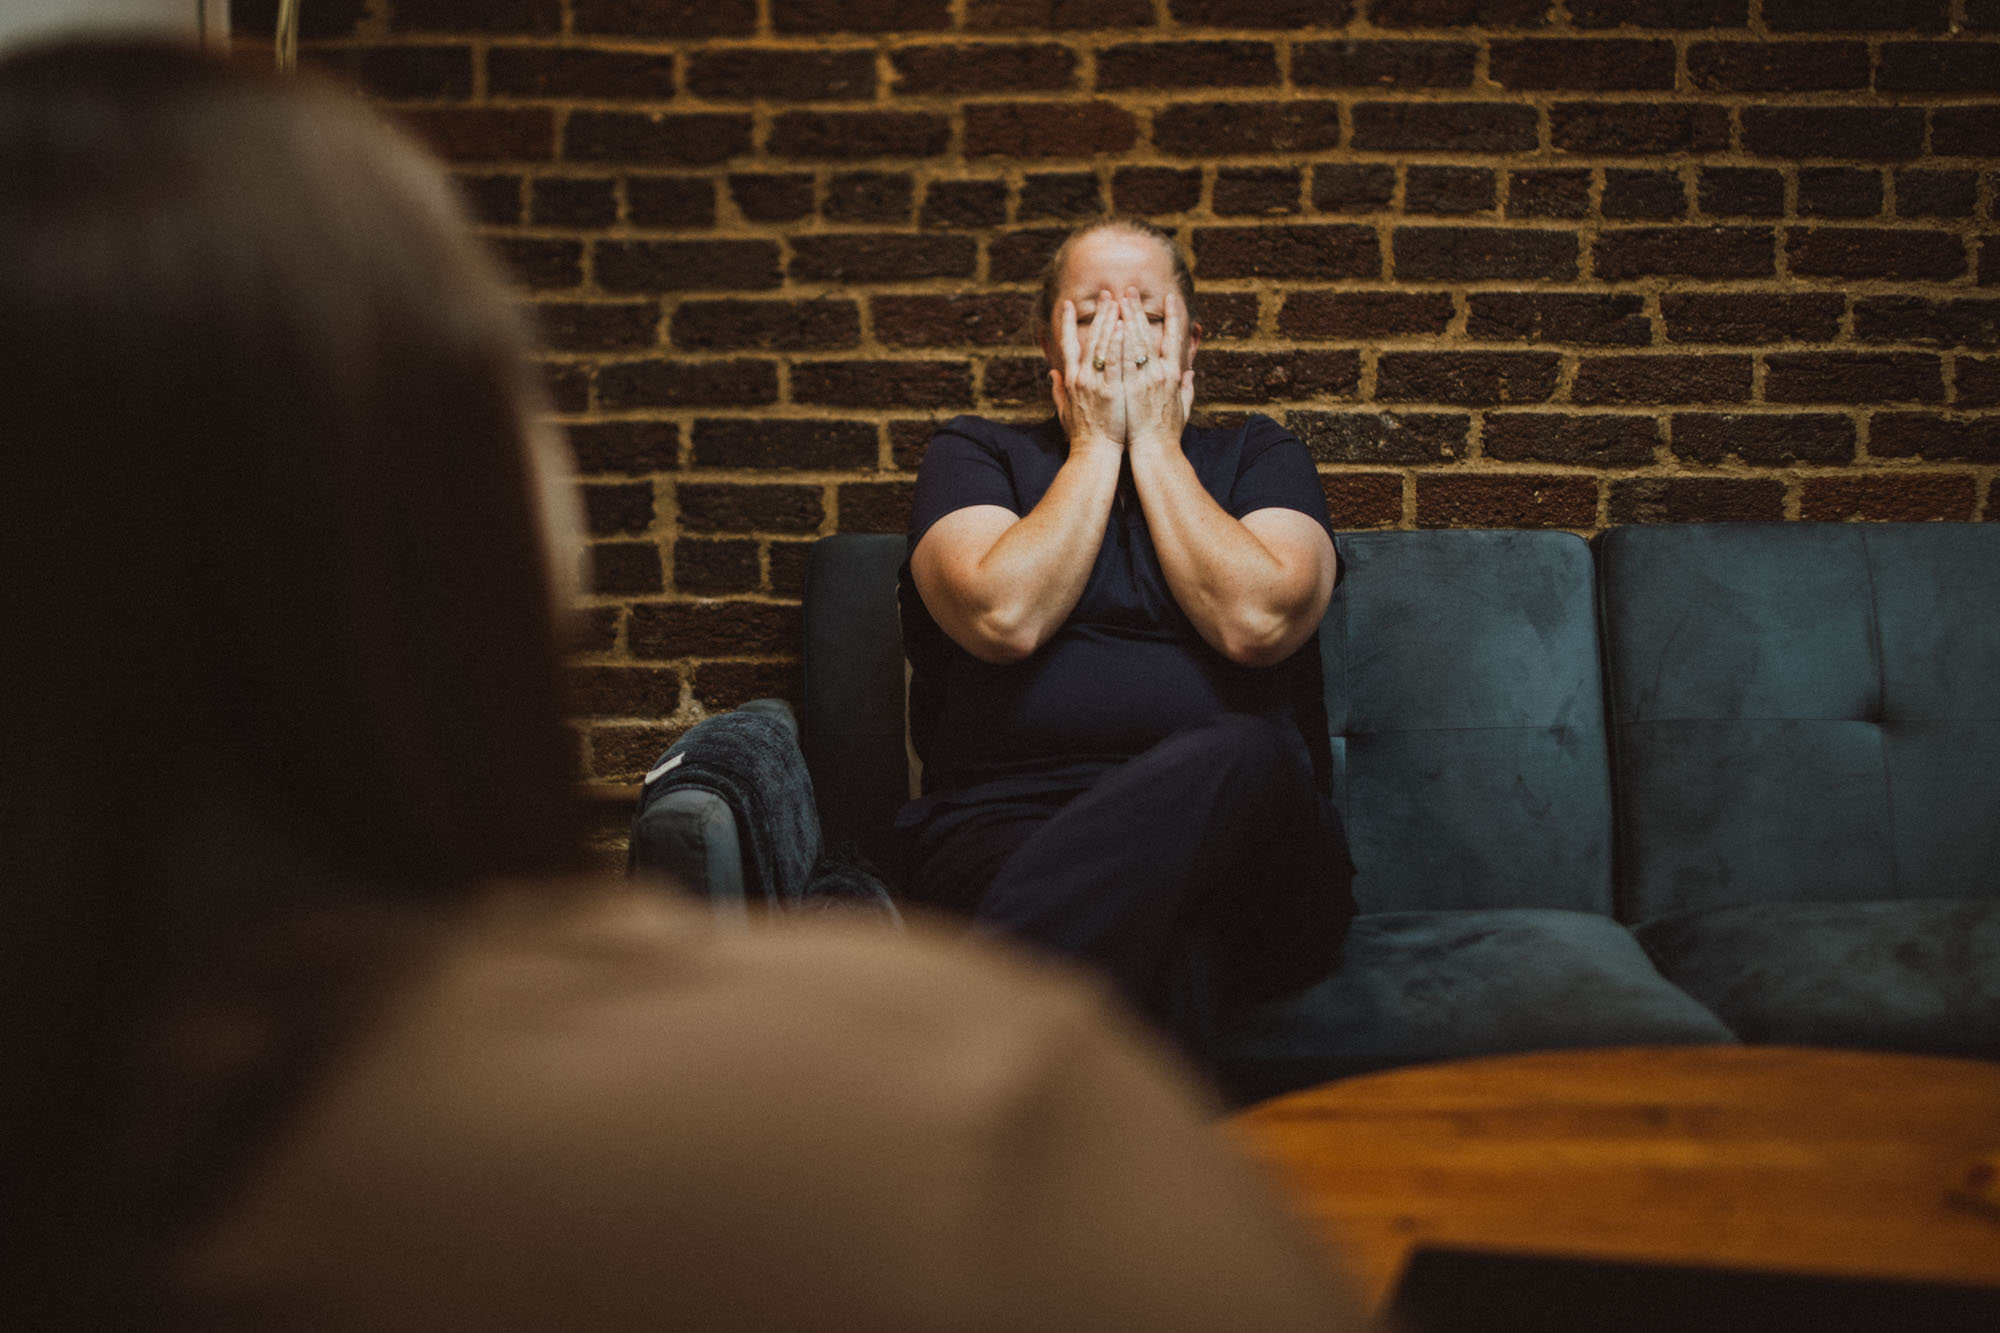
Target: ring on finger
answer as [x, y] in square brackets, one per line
[1097, 363]
[1143, 359]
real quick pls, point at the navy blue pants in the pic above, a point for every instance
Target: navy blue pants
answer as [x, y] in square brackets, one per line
[1207, 869]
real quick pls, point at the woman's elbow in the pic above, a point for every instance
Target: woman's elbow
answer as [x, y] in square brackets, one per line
[1000, 640]
[1265, 640]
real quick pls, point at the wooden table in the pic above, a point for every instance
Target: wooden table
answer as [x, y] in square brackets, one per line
[1768, 1158]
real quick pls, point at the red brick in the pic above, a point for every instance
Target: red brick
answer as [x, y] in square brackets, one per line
[1016, 379]
[1353, 187]
[1856, 15]
[495, 16]
[1447, 189]
[625, 753]
[1956, 323]
[1020, 256]
[408, 73]
[1657, 378]
[727, 685]
[594, 629]
[883, 383]
[692, 139]
[1364, 315]
[1048, 129]
[650, 18]
[765, 442]
[1638, 128]
[1763, 439]
[1227, 314]
[1285, 14]
[1983, 15]
[1928, 435]
[1852, 377]
[1262, 377]
[1319, 252]
[1594, 64]
[1757, 192]
[1187, 64]
[1869, 252]
[870, 196]
[973, 203]
[1470, 378]
[882, 257]
[1643, 194]
[1965, 131]
[716, 566]
[1660, 13]
[1152, 191]
[539, 71]
[657, 382]
[329, 18]
[988, 320]
[859, 15]
[1363, 499]
[635, 266]
[1695, 500]
[1989, 259]
[1577, 317]
[1446, 127]
[624, 507]
[1459, 13]
[1596, 440]
[620, 691]
[670, 201]
[1382, 437]
[1778, 67]
[747, 73]
[1060, 194]
[1751, 317]
[1936, 194]
[728, 507]
[779, 325]
[625, 446]
[1211, 129]
[788, 562]
[874, 506]
[713, 629]
[625, 567]
[987, 67]
[1693, 252]
[574, 201]
[1545, 193]
[990, 15]
[1249, 191]
[1977, 382]
[539, 263]
[1462, 254]
[494, 199]
[567, 386]
[597, 326]
[772, 196]
[1353, 64]
[1897, 497]
[851, 134]
[484, 134]
[1505, 500]
[1839, 192]
[1939, 67]
[1837, 131]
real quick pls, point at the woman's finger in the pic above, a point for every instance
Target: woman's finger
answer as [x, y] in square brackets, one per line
[1072, 346]
[1173, 329]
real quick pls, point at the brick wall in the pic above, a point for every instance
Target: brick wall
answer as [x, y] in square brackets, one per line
[1550, 263]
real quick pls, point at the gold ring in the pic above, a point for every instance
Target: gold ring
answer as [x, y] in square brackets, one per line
[1143, 359]
[1097, 363]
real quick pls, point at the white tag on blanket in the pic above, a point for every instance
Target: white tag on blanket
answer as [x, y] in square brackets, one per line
[667, 767]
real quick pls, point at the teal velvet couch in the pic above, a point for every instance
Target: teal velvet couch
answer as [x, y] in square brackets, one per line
[1682, 784]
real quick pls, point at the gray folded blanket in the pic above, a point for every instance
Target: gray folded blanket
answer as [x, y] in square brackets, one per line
[750, 758]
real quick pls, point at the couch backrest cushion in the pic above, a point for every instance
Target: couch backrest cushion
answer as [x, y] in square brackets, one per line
[1468, 726]
[1804, 712]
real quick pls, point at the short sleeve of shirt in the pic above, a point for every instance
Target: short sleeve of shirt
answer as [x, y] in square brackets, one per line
[1276, 473]
[963, 466]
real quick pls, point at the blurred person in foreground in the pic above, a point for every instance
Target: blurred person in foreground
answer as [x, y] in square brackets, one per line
[310, 1020]
[1116, 685]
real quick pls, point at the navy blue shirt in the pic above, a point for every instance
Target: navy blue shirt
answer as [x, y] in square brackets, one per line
[1127, 668]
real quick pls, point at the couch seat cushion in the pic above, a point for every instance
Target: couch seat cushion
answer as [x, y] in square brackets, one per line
[1914, 974]
[1420, 986]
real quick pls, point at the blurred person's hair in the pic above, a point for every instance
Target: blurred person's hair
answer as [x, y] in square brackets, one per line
[279, 637]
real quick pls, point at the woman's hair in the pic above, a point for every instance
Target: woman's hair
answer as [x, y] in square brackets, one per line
[1052, 273]
[278, 634]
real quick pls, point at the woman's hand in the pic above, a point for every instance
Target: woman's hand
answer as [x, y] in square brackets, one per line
[1159, 393]
[1090, 388]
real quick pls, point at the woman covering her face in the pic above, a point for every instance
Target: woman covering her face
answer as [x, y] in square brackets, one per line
[308, 1020]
